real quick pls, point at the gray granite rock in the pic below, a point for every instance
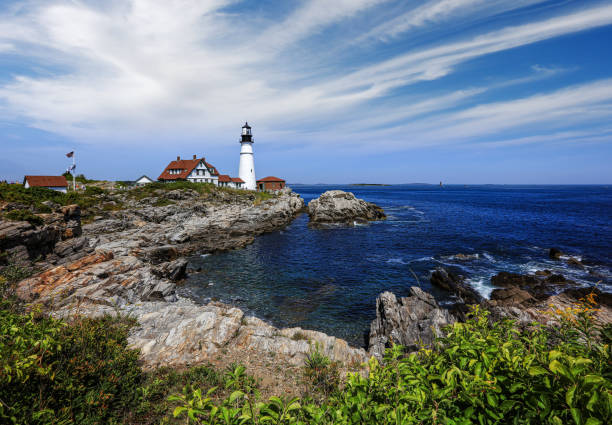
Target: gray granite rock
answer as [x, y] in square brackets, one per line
[337, 206]
[412, 321]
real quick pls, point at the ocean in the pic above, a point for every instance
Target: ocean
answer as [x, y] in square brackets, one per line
[328, 279]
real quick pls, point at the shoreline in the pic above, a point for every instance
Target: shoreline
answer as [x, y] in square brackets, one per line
[138, 256]
[135, 256]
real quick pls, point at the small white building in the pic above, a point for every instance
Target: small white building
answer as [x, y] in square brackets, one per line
[143, 181]
[195, 170]
[233, 182]
[58, 183]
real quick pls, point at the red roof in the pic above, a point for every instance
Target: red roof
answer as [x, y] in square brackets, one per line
[237, 180]
[46, 181]
[187, 166]
[224, 178]
[270, 179]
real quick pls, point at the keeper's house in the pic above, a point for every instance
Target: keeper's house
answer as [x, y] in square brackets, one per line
[270, 183]
[195, 170]
[58, 183]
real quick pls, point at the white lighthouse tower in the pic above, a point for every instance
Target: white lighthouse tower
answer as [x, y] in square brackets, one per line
[247, 164]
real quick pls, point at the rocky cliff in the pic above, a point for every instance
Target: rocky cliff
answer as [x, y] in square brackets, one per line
[139, 255]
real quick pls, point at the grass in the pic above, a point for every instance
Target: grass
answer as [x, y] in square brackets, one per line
[153, 189]
[299, 336]
[24, 215]
[162, 202]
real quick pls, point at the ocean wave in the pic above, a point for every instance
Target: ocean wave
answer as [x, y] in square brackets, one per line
[488, 257]
[481, 286]
[204, 255]
[567, 257]
[395, 261]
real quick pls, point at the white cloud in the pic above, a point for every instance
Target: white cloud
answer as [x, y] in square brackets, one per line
[149, 70]
[311, 17]
[434, 63]
[436, 11]
[586, 105]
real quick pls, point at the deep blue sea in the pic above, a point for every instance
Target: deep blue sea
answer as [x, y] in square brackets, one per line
[328, 279]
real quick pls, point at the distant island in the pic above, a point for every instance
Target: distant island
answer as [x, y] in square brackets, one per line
[369, 184]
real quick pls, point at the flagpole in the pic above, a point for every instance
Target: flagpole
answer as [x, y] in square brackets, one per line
[73, 175]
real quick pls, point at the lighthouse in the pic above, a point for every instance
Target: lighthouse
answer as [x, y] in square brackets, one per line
[247, 164]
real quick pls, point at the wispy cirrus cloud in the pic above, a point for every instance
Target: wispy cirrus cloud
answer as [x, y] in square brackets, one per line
[134, 71]
[437, 11]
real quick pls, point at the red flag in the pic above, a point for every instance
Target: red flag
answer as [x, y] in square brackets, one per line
[70, 154]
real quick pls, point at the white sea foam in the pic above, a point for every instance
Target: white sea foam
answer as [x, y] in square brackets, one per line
[204, 255]
[567, 257]
[417, 260]
[480, 285]
[488, 257]
[395, 261]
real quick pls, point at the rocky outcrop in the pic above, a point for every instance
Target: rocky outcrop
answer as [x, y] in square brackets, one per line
[519, 289]
[456, 285]
[557, 254]
[184, 333]
[412, 321]
[138, 258]
[53, 242]
[172, 330]
[209, 223]
[338, 207]
[554, 253]
[511, 296]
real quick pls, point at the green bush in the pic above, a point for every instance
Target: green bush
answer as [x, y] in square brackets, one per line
[34, 196]
[54, 373]
[321, 373]
[477, 374]
[24, 215]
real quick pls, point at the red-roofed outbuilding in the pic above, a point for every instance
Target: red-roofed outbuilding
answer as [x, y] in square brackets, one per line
[58, 183]
[270, 183]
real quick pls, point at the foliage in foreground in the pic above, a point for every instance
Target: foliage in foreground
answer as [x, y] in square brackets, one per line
[478, 374]
[82, 372]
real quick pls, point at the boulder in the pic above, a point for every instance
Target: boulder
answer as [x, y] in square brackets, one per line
[506, 279]
[455, 284]
[159, 254]
[574, 262]
[465, 257]
[511, 296]
[411, 322]
[173, 270]
[539, 286]
[337, 206]
[555, 253]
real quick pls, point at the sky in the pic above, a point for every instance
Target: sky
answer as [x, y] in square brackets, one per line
[337, 91]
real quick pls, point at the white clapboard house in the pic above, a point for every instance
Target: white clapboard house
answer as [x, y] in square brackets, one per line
[197, 170]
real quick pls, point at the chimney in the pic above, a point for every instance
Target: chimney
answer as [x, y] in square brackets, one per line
[178, 158]
[194, 157]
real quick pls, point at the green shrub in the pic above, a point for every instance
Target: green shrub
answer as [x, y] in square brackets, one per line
[56, 373]
[34, 196]
[24, 215]
[477, 374]
[94, 190]
[163, 202]
[321, 373]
